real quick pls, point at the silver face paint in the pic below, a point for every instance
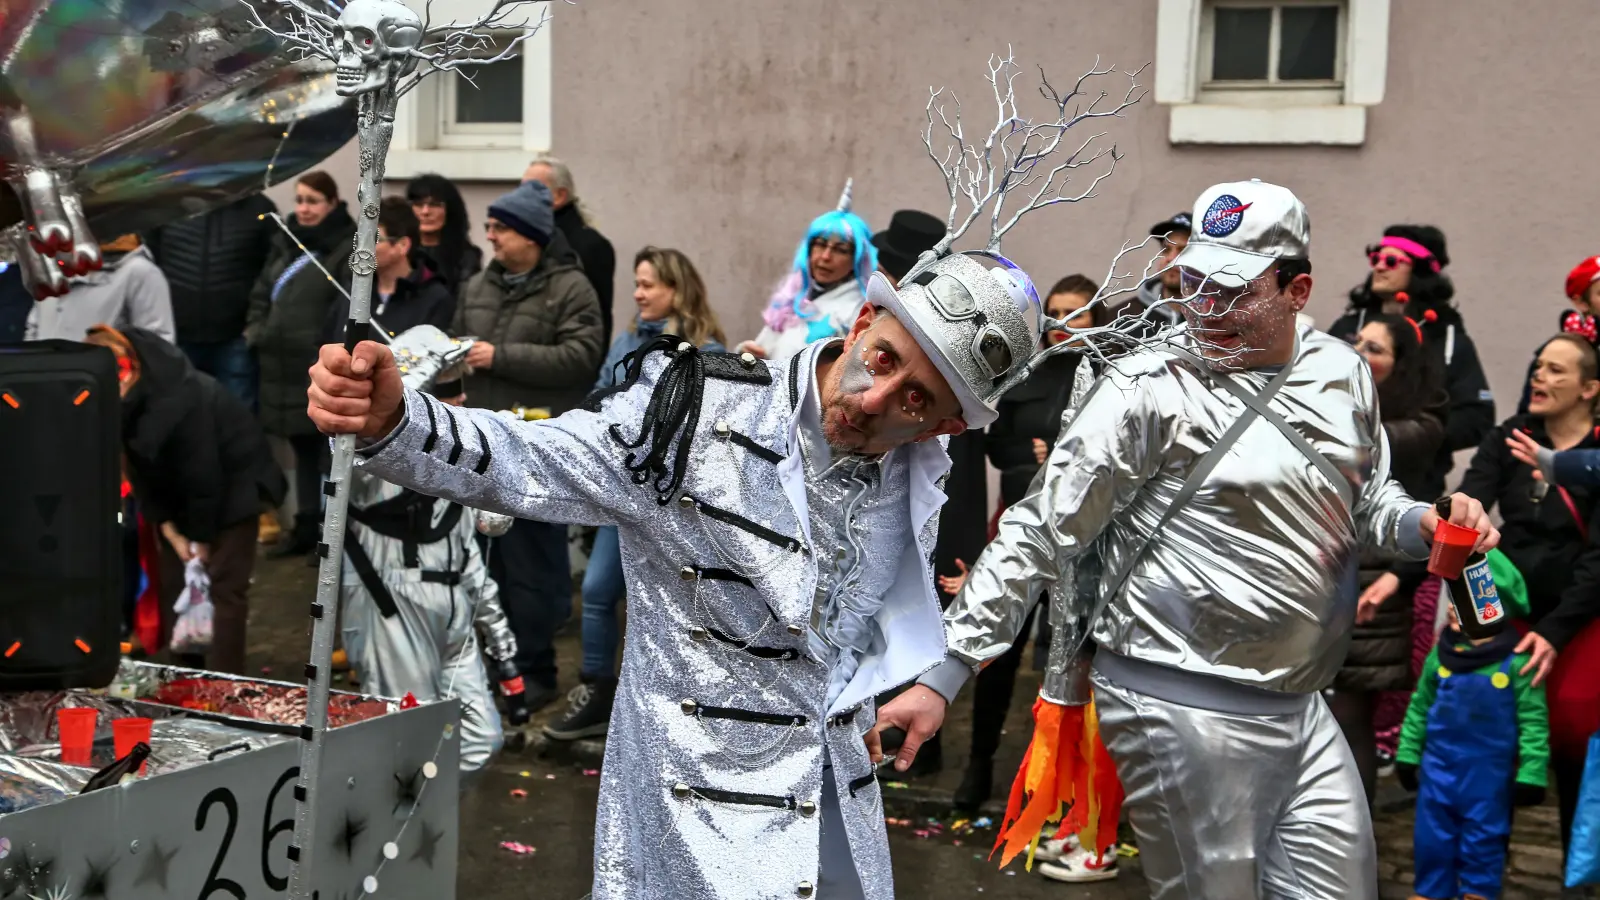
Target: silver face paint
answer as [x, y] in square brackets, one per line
[854, 376]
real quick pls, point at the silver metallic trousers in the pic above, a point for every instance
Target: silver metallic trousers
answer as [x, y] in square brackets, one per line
[1229, 807]
[430, 650]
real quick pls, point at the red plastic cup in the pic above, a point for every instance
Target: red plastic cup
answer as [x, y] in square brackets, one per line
[1452, 544]
[76, 726]
[125, 733]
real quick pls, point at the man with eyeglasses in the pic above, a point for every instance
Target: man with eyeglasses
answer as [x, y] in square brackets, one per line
[1227, 481]
[536, 321]
[777, 523]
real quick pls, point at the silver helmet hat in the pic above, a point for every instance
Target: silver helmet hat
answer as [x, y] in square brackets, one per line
[977, 316]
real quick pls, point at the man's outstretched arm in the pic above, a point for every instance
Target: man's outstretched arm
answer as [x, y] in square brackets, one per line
[565, 469]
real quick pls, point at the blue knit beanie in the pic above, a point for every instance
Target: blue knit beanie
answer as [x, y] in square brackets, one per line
[526, 211]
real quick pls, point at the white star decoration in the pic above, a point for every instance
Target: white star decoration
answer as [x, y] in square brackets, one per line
[54, 893]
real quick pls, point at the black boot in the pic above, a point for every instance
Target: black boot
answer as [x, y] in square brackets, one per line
[976, 786]
[589, 712]
[302, 539]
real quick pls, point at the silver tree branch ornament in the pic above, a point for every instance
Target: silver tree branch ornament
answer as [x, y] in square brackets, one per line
[1025, 163]
[380, 49]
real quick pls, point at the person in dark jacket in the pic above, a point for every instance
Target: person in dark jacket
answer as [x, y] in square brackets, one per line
[406, 292]
[288, 314]
[538, 344]
[201, 471]
[574, 221]
[1407, 278]
[15, 304]
[1414, 407]
[211, 262]
[1016, 444]
[446, 232]
[1546, 531]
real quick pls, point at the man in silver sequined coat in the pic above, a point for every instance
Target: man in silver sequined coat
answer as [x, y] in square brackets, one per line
[1228, 587]
[777, 526]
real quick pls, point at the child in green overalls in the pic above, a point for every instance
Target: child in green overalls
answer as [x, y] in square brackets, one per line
[1475, 742]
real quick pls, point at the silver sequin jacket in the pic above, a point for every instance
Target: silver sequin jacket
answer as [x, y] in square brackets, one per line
[713, 766]
[1253, 580]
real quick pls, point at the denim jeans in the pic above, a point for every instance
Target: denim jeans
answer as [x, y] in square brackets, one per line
[602, 588]
[531, 565]
[229, 362]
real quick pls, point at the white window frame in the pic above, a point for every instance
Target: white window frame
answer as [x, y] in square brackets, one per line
[427, 139]
[1269, 114]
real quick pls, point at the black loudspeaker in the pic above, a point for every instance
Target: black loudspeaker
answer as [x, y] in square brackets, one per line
[60, 546]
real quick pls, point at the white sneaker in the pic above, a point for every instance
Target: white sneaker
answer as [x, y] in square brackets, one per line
[1080, 867]
[1056, 849]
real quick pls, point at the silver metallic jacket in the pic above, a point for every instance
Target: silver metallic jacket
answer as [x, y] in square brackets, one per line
[1253, 580]
[713, 772]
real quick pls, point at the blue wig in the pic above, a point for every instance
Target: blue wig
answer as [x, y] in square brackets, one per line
[843, 226]
[791, 301]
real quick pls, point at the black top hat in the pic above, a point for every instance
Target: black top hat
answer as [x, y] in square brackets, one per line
[910, 232]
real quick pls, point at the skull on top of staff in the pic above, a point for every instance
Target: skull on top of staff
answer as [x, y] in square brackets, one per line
[377, 43]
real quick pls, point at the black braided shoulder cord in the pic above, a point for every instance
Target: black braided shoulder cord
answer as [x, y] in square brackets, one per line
[673, 413]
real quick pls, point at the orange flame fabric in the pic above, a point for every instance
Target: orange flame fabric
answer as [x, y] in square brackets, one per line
[1066, 776]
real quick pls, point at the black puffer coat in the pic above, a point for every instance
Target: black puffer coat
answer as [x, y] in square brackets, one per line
[545, 331]
[195, 455]
[287, 321]
[1380, 650]
[211, 262]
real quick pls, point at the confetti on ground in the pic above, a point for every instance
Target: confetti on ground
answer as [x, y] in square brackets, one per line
[549, 778]
[519, 793]
[526, 774]
[518, 848]
[897, 785]
[984, 822]
[591, 771]
[266, 670]
[921, 832]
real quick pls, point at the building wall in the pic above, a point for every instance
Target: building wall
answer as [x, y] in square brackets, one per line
[721, 127]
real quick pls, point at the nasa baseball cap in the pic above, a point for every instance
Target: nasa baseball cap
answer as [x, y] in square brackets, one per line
[1241, 228]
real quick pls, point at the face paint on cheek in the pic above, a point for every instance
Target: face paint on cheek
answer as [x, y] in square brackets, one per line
[853, 375]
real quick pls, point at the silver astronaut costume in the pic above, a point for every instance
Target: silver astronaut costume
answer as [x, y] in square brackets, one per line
[422, 635]
[1234, 616]
[714, 782]
[426, 642]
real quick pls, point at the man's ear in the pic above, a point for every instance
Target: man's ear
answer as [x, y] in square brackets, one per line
[1299, 291]
[864, 320]
[951, 426]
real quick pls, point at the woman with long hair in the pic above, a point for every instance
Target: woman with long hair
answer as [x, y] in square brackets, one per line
[1407, 278]
[1547, 532]
[671, 298]
[1414, 407]
[289, 307]
[446, 230]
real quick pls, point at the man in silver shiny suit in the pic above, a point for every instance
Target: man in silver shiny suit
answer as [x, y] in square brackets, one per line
[777, 523]
[1226, 481]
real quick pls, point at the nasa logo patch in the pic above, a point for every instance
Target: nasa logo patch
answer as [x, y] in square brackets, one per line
[1223, 216]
